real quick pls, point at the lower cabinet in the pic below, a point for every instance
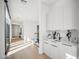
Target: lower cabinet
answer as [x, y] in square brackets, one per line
[60, 51]
[70, 52]
[47, 49]
[54, 52]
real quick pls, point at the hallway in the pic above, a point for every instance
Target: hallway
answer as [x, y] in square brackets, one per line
[30, 52]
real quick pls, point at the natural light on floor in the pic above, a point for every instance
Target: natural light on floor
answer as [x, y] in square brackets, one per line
[19, 47]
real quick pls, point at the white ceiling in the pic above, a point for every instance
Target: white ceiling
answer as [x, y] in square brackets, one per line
[23, 11]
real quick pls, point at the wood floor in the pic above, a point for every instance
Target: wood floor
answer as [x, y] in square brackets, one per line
[30, 52]
[16, 39]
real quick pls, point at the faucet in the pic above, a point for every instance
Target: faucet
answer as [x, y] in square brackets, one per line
[58, 34]
[68, 34]
[54, 35]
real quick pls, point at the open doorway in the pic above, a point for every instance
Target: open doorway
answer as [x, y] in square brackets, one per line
[36, 36]
[17, 37]
[16, 33]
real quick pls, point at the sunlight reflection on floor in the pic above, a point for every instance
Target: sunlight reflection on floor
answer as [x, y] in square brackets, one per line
[18, 48]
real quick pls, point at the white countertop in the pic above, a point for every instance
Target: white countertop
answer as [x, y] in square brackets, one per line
[51, 41]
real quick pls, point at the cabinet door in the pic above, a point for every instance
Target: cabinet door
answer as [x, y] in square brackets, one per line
[55, 52]
[55, 19]
[62, 51]
[70, 15]
[71, 52]
[47, 49]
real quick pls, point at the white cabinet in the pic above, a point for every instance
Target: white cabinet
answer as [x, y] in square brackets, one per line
[55, 19]
[47, 49]
[70, 14]
[70, 18]
[63, 17]
[52, 49]
[59, 50]
[55, 52]
[70, 52]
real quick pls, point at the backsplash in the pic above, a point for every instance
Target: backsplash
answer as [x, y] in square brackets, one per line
[63, 35]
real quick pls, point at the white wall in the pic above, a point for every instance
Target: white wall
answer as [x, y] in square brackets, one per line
[15, 30]
[2, 41]
[29, 29]
[17, 23]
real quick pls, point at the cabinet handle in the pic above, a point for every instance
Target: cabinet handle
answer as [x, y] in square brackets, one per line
[53, 45]
[67, 45]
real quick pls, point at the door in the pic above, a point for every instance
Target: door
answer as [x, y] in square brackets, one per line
[7, 37]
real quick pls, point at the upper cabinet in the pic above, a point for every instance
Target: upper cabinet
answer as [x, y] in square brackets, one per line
[62, 15]
[55, 19]
[70, 14]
